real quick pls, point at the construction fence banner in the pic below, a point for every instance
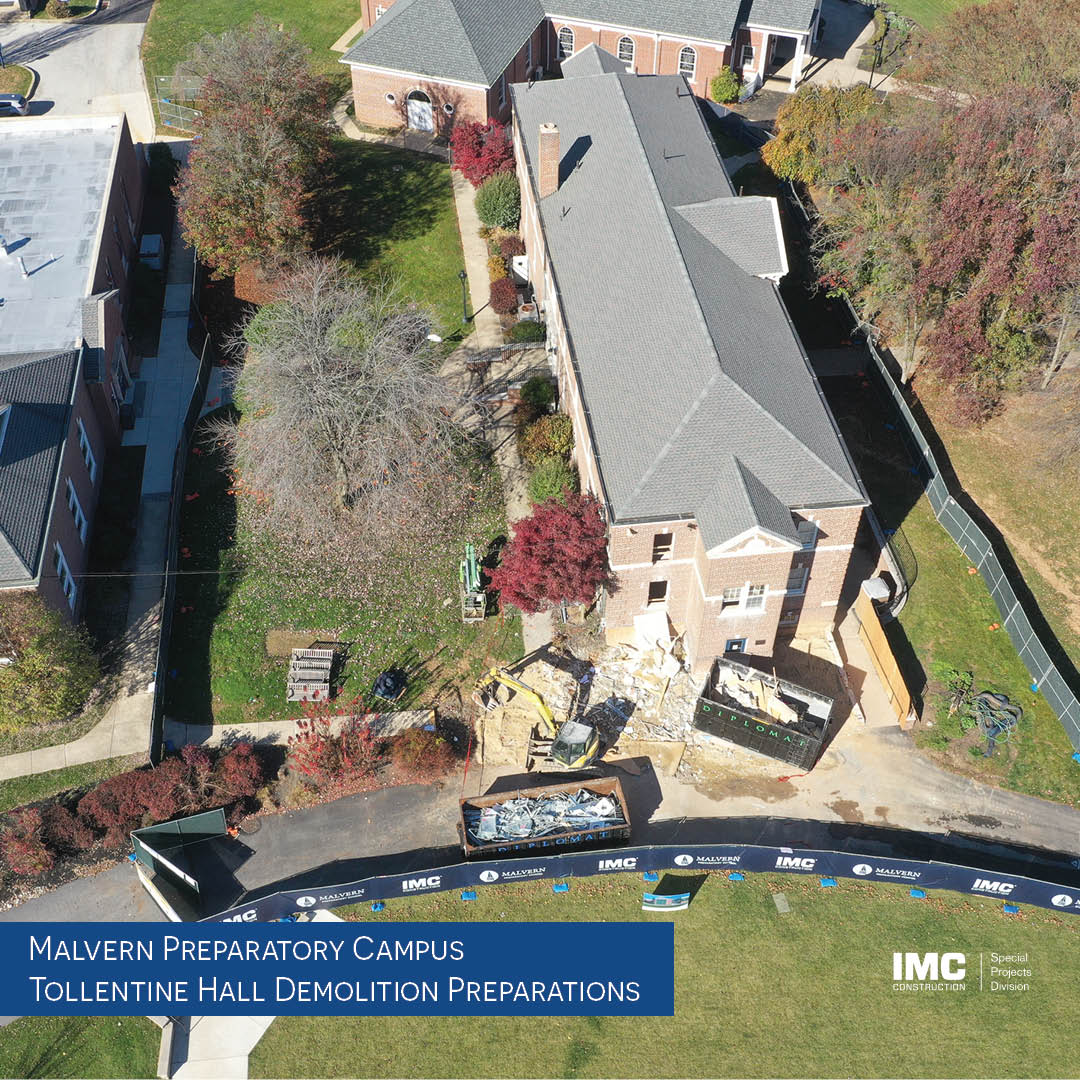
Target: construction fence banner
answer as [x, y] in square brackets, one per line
[724, 857]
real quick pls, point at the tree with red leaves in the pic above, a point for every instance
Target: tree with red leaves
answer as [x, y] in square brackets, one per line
[481, 150]
[558, 553]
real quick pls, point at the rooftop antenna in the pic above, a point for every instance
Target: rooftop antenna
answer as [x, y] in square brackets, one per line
[565, 210]
[22, 266]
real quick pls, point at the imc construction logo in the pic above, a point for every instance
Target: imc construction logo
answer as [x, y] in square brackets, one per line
[929, 971]
[617, 864]
[793, 862]
[433, 881]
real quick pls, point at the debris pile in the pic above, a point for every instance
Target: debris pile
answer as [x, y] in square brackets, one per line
[523, 818]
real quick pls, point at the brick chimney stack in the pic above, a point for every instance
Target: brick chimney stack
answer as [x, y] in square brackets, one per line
[549, 160]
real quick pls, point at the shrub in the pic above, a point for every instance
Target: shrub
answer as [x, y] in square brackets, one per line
[239, 773]
[538, 394]
[22, 847]
[498, 202]
[54, 667]
[496, 268]
[528, 330]
[57, 9]
[552, 479]
[63, 832]
[481, 150]
[725, 86]
[511, 246]
[550, 436]
[503, 296]
[419, 756]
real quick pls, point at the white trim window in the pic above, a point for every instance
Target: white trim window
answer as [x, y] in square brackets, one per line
[657, 593]
[747, 56]
[796, 580]
[755, 597]
[63, 573]
[626, 50]
[566, 42]
[86, 451]
[807, 531]
[688, 61]
[76, 510]
[380, 11]
[731, 599]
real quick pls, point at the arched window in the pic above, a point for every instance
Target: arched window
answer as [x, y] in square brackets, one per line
[626, 50]
[566, 42]
[687, 61]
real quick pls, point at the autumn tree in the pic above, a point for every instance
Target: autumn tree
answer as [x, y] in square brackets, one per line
[558, 553]
[261, 140]
[481, 150]
[347, 427]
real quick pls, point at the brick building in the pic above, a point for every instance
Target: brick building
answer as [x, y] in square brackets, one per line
[732, 502]
[69, 237]
[426, 63]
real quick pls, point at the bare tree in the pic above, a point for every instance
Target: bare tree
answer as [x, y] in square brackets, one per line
[346, 425]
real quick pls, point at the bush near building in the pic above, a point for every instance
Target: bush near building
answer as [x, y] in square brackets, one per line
[498, 201]
[552, 478]
[528, 330]
[481, 150]
[503, 296]
[725, 86]
[550, 436]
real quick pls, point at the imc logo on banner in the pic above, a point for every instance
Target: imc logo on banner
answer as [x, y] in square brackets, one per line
[931, 967]
[793, 862]
[617, 864]
[432, 881]
[995, 888]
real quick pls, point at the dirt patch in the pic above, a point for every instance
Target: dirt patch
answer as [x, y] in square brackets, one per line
[768, 790]
[847, 810]
[280, 643]
[882, 812]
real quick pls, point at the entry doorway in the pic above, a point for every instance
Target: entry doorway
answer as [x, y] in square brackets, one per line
[420, 114]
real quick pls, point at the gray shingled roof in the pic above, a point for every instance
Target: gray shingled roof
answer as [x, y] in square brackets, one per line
[686, 361]
[469, 41]
[712, 20]
[746, 230]
[782, 14]
[37, 388]
[591, 60]
[740, 502]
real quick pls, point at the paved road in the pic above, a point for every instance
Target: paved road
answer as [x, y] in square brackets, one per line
[87, 66]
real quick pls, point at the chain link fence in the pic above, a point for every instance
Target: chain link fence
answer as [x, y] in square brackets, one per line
[174, 95]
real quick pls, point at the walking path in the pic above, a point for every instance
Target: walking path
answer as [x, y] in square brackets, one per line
[162, 394]
[215, 1047]
[421, 142]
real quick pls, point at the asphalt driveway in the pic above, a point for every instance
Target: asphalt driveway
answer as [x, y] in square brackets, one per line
[86, 66]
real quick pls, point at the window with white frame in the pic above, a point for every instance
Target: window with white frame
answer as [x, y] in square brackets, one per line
[807, 531]
[731, 599]
[566, 42]
[657, 592]
[86, 451]
[755, 597]
[747, 56]
[789, 617]
[662, 544]
[76, 510]
[796, 581]
[626, 50]
[63, 573]
[380, 11]
[687, 61]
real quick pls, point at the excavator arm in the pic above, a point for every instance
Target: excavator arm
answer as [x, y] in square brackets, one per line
[496, 676]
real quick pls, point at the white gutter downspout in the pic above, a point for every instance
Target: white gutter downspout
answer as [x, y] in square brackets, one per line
[656, 54]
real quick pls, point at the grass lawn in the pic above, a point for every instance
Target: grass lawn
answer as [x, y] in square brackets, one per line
[79, 1046]
[15, 79]
[27, 789]
[391, 212]
[408, 616]
[927, 13]
[946, 621]
[756, 993]
[175, 25]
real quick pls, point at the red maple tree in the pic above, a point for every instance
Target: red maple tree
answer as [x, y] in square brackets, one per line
[557, 553]
[481, 150]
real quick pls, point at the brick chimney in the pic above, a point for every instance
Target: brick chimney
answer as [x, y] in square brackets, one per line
[548, 180]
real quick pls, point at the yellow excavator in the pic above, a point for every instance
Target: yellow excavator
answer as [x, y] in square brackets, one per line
[573, 744]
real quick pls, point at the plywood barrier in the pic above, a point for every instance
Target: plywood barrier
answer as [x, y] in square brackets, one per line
[872, 635]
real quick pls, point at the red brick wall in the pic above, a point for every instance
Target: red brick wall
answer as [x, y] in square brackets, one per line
[367, 11]
[62, 526]
[371, 87]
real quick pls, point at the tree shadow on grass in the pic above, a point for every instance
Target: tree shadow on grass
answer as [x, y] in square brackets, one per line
[374, 196]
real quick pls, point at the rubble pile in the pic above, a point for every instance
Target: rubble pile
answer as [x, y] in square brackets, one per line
[523, 818]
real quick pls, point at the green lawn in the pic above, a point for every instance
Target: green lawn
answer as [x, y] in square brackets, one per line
[79, 1046]
[27, 789]
[404, 614]
[927, 13]
[391, 212]
[756, 993]
[947, 620]
[15, 79]
[175, 25]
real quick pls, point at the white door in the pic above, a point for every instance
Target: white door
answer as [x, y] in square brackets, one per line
[420, 114]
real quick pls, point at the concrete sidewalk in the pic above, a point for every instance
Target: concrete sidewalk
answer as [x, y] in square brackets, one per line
[215, 1047]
